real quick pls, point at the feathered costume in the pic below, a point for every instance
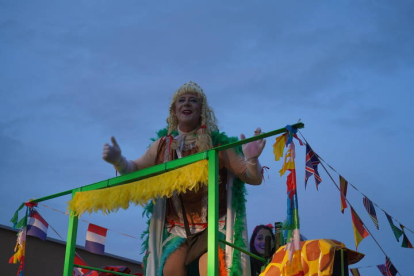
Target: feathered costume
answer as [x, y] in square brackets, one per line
[165, 229]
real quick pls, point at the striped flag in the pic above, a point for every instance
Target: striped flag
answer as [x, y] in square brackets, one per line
[354, 272]
[312, 162]
[397, 232]
[77, 271]
[383, 269]
[95, 239]
[37, 226]
[360, 232]
[371, 211]
[344, 188]
[392, 271]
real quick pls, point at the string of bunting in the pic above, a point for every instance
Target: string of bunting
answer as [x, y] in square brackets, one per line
[61, 212]
[33, 224]
[366, 199]
[368, 204]
[360, 229]
[386, 269]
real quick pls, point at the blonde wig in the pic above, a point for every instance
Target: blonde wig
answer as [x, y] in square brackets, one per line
[208, 122]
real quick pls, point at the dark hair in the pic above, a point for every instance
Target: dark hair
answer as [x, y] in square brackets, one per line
[256, 265]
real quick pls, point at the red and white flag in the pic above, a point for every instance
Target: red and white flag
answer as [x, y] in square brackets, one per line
[77, 271]
[37, 226]
[95, 239]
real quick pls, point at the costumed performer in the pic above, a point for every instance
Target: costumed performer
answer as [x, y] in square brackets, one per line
[258, 244]
[192, 128]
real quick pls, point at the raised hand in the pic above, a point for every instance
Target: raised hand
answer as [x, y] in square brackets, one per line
[255, 148]
[112, 154]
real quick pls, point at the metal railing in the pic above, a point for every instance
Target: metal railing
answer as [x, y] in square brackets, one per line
[213, 168]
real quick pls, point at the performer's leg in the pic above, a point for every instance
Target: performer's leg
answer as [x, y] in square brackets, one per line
[174, 265]
[202, 264]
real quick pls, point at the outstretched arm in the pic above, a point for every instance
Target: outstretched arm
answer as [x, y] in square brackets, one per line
[253, 149]
[247, 168]
[112, 154]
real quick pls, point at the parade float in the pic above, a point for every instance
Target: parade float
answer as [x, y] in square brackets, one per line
[293, 257]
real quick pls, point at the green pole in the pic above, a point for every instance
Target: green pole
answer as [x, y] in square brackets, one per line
[258, 137]
[342, 263]
[244, 251]
[279, 234]
[212, 244]
[71, 242]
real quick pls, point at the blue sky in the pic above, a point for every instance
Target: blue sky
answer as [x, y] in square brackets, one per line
[74, 74]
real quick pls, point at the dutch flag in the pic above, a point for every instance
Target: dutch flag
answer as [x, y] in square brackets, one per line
[95, 239]
[37, 226]
[77, 271]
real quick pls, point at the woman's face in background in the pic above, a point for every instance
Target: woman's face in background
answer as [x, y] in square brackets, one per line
[259, 241]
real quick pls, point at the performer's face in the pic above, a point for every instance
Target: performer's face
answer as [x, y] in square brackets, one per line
[259, 241]
[187, 109]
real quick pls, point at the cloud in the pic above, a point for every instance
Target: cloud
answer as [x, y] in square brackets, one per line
[361, 118]
[11, 148]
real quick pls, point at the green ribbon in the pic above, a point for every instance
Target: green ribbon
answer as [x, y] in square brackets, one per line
[15, 218]
[22, 222]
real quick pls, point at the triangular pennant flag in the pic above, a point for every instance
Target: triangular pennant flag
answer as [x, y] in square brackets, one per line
[406, 242]
[354, 272]
[312, 162]
[397, 232]
[371, 211]
[344, 188]
[360, 232]
[392, 271]
[95, 239]
[37, 226]
[383, 269]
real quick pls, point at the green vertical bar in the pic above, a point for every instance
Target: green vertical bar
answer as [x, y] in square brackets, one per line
[71, 242]
[342, 263]
[279, 234]
[212, 246]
